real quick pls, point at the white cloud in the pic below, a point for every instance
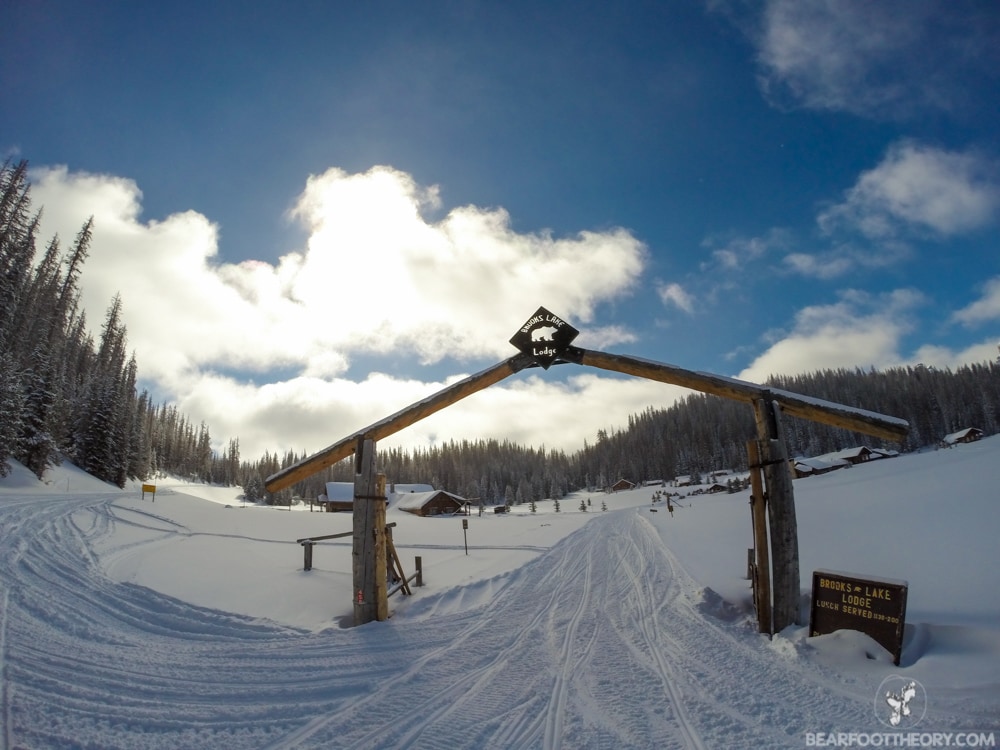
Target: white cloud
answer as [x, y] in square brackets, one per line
[375, 276]
[857, 331]
[845, 258]
[674, 294]
[984, 309]
[736, 253]
[919, 187]
[942, 357]
[456, 287]
[889, 59]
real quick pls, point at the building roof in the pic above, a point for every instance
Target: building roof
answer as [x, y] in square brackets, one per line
[344, 491]
[417, 500]
[956, 436]
[806, 465]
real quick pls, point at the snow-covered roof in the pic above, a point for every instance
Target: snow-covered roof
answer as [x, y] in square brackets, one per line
[344, 491]
[956, 436]
[417, 500]
[884, 452]
[805, 465]
[846, 453]
[340, 491]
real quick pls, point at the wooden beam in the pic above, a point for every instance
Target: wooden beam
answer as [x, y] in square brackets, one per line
[817, 410]
[396, 422]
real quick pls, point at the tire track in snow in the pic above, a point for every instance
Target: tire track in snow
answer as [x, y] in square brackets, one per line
[645, 622]
[436, 706]
[599, 642]
[4, 697]
[557, 705]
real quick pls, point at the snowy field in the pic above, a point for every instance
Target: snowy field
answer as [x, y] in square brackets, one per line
[189, 622]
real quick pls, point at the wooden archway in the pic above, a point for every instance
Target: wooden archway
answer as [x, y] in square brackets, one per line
[769, 450]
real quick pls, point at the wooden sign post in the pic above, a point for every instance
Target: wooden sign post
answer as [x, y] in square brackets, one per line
[781, 515]
[151, 489]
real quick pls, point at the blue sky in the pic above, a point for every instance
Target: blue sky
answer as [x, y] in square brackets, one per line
[317, 212]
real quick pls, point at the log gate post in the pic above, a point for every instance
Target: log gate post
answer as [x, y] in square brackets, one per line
[371, 601]
[781, 513]
[761, 568]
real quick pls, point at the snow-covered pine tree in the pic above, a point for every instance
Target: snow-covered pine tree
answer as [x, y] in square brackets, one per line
[11, 406]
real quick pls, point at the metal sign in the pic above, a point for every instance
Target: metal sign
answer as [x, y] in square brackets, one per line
[876, 607]
[544, 337]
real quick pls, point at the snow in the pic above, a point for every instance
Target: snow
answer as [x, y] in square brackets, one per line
[185, 619]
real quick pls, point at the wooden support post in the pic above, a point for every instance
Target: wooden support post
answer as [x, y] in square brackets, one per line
[393, 562]
[762, 565]
[781, 515]
[418, 563]
[307, 547]
[370, 599]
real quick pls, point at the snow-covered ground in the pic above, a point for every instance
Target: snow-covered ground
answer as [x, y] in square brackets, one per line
[189, 622]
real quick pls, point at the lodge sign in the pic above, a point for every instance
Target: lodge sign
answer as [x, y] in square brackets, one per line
[544, 337]
[876, 607]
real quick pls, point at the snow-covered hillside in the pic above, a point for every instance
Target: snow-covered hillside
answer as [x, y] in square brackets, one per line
[188, 622]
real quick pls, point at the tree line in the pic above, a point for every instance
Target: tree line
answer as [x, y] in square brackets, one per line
[63, 394]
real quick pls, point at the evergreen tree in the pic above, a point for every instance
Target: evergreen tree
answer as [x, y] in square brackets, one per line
[11, 406]
[36, 447]
[253, 489]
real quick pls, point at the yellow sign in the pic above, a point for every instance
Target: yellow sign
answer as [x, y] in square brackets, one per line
[148, 488]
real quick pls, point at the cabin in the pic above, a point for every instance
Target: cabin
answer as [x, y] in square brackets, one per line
[338, 498]
[433, 503]
[853, 456]
[884, 453]
[968, 435]
[622, 484]
[811, 467]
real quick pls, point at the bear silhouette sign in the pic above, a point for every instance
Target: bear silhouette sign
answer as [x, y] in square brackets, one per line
[544, 337]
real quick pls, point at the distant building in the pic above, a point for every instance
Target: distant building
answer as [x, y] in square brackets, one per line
[339, 496]
[968, 435]
[855, 456]
[433, 503]
[622, 484]
[811, 467]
